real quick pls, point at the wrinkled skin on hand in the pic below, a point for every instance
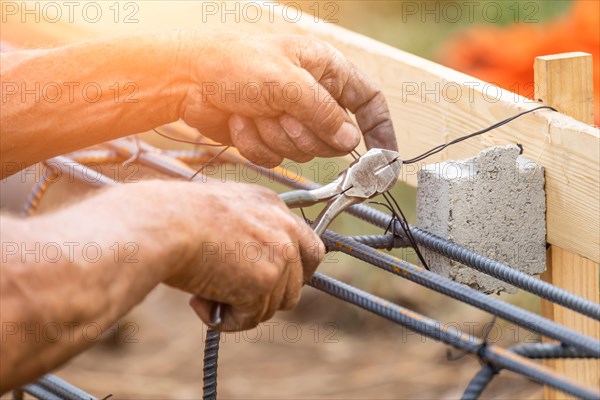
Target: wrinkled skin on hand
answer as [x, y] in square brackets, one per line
[222, 242]
[254, 254]
[284, 96]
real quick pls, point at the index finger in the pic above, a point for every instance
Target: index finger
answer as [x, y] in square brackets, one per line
[352, 89]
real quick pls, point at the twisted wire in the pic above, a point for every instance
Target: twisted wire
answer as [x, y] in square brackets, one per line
[40, 188]
[37, 192]
[211, 355]
[190, 156]
[463, 293]
[91, 156]
[435, 330]
[152, 157]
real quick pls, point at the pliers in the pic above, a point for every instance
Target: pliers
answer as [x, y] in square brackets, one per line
[375, 172]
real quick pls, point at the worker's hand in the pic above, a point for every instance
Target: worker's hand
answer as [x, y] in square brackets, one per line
[276, 96]
[246, 250]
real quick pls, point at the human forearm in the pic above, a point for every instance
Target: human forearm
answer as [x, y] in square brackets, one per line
[89, 92]
[271, 96]
[182, 234]
[109, 260]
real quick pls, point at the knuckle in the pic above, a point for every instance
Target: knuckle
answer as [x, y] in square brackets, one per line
[310, 145]
[267, 195]
[241, 299]
[374, 106]
[291, 301]
[333, 87]
[312, 256]
[320, 251]
[269, 275]
[326, 116]
[378, 100]
[242, 323]
[320, 47]
[288, 39]
[270, 161]
[331, 48]
[268, 315]
[290, 223]
[300, 157]
[260, 157]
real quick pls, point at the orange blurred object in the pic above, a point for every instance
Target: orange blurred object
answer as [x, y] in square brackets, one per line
[504, 56]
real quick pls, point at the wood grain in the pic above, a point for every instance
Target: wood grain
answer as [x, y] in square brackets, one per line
[565, 82]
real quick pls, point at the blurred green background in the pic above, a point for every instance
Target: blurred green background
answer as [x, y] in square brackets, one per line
[422, 31]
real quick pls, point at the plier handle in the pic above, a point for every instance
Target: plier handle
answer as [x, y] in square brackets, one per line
[375, 172]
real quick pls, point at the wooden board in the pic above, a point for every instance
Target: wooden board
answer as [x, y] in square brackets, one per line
[430, 105]
[565, 82]
[578, 275]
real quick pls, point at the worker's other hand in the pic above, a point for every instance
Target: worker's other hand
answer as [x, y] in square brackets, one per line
[245, 249]
[282, 96]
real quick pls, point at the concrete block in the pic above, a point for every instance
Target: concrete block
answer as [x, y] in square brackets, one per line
[494, 204]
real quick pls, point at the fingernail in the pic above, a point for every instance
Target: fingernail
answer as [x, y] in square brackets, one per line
[236, 123]
[347, 136]
[291, 126]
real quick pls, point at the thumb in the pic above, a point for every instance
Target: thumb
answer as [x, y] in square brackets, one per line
[202, 308]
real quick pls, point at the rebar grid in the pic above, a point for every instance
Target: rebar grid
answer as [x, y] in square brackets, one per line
[492, 355]
[463, 293]
[175, 163]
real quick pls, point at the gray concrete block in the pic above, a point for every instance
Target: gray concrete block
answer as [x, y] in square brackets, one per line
[493, 203]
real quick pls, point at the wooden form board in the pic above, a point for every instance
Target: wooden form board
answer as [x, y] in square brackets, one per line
[565, 82]
[578, 275]
[430, 105]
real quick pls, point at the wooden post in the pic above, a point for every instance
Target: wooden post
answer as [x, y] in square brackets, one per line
[564, 81]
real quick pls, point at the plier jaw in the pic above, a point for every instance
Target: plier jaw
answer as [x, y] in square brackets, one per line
[373, 173]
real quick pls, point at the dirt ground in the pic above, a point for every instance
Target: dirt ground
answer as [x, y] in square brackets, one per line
[156, 353]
